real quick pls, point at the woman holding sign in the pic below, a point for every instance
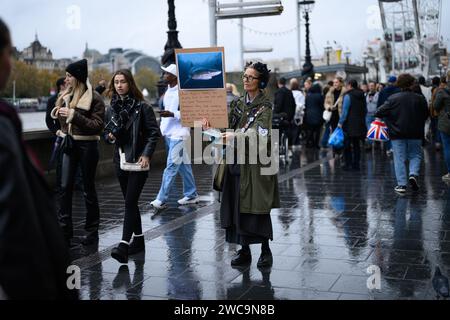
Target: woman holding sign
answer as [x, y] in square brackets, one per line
[249, 194]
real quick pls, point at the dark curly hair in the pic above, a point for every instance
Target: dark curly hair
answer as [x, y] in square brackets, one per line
[261, 68]
[405, 81]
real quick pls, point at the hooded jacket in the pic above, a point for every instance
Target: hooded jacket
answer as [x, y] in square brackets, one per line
[405, 114]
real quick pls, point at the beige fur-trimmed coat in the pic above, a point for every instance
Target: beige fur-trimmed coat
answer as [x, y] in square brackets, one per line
[86, 118]
[329, 100]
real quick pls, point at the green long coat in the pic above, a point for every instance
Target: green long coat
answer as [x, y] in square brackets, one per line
[259, 193]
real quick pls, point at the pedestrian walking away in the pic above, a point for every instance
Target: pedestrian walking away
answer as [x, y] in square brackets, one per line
[405, 114]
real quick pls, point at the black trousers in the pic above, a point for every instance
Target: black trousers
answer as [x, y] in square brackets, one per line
[85, 154]
[131, 184]
[352, 152]
[334, 121]
[313, 135]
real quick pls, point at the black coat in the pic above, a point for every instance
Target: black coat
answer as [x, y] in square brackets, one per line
[355, 125]
[141, 133]
[405, 114]
[314, 109]
[52, 124]
[33, 254]
[285, 103]
[386, 93]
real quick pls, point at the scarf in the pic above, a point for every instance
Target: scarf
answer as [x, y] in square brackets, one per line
[127, 104]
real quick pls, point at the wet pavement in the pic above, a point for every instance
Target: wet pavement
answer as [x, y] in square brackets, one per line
[332, 226]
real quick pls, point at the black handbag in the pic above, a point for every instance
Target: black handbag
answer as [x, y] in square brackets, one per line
[67, 144]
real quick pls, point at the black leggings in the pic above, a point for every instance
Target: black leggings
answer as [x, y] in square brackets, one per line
[131, 184]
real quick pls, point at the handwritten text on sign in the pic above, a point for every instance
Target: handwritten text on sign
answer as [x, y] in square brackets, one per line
[196, 105]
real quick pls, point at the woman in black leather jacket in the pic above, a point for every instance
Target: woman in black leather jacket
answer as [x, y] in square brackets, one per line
[135, 132]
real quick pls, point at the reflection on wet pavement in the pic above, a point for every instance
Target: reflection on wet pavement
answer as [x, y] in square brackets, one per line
[332, 226]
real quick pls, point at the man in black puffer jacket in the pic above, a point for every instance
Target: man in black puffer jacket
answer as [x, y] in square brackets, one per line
[405, 114]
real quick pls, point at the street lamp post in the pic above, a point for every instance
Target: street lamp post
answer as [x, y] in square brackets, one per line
[308, 67]
[172, 37]
[171, 44]
[365, 57]
[328, 50]
[440, 69]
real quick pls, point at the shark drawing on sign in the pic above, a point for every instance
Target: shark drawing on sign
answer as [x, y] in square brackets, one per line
[202, 74]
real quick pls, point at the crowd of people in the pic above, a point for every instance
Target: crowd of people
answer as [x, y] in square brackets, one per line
[35, 235]
[415, 113]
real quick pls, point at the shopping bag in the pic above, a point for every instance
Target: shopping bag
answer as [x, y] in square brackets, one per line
[378, 131]
[337, 139]
[327, 116]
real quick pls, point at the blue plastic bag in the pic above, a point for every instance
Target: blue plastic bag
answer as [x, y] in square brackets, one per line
[337, 139]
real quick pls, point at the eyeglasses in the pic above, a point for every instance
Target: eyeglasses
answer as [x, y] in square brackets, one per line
[249, 78]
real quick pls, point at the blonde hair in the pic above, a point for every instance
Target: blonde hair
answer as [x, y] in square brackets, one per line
[75, 93]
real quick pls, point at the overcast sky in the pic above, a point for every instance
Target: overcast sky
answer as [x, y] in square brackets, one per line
[142, 25]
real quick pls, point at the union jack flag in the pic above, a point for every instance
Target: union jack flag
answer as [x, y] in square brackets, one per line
[378, 131]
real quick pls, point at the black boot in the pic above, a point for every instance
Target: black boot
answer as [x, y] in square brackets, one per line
[243, 257]
[137, 245]
[120, 253]
[266, 258]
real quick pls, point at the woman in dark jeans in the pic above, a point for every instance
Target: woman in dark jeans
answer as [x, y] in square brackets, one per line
[80, 111]
[135, 132]
[314, 116]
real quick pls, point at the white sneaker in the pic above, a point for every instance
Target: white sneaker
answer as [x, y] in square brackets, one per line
[158, 204]
[186, 201]
[390, 152]
[446, 178]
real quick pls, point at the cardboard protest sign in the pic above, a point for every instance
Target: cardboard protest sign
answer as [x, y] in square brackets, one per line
[201, 81]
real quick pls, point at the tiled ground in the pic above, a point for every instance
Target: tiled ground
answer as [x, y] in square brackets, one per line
[332, 226]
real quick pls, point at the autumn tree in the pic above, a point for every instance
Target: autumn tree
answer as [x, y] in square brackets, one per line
[95, 76]
[30, 81]
[147, 79]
